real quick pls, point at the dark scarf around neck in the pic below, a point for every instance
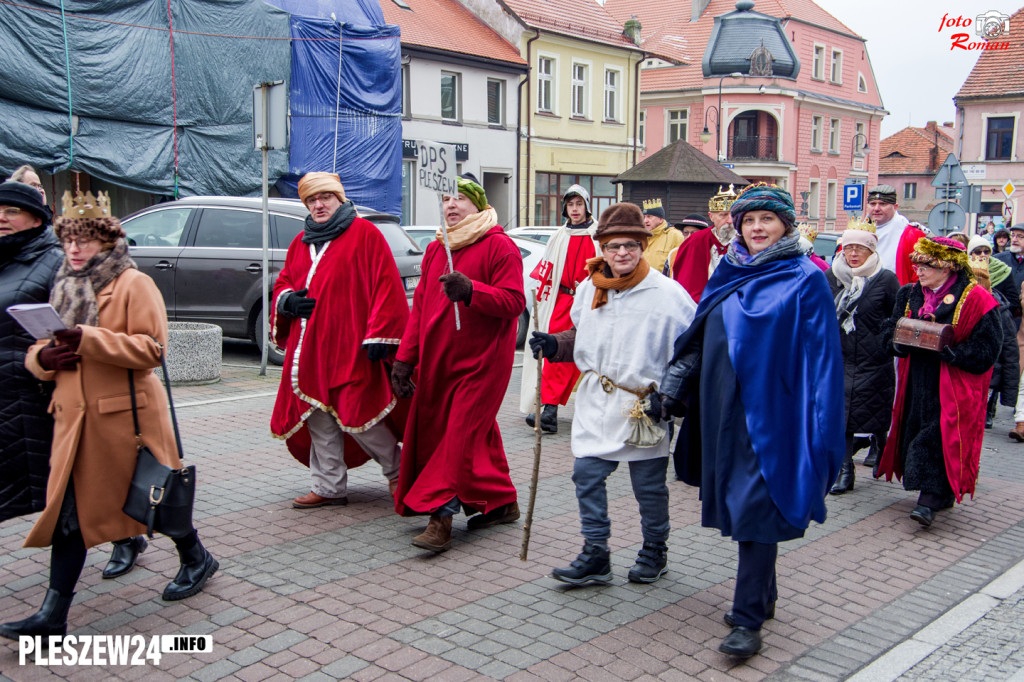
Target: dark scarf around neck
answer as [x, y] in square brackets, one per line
[74, 291]
[12, 244]
[317, 233]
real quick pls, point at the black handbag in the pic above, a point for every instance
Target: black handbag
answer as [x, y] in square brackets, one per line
[160, 497]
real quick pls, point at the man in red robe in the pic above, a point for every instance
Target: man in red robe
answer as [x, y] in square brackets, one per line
[339, 309]
[452, 453]
[896, 235]
[562, 268]
[698, 256]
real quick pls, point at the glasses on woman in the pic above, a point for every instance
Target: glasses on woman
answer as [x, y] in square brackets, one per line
[80, 242]
[630, 247]
[11, 211]
[919, 267]
[856, 248]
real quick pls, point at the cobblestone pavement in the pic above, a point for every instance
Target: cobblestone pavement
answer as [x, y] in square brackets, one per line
[339, 592]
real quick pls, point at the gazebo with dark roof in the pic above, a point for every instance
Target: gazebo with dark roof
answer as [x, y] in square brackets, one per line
[682, 176]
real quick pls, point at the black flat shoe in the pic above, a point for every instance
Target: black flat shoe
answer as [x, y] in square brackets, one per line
[124, 556]
[923, 515]
[741, 642]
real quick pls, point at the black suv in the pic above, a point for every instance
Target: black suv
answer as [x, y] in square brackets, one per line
[206, 256]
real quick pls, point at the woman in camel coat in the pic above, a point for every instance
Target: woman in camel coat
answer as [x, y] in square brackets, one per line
[116, 324]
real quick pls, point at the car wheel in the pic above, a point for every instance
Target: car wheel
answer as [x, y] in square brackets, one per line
[521, 329]
[275, 355]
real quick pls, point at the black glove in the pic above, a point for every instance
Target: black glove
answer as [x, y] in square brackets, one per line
[654, 409]
[69, 337]
[948, 355]
[671, 407]
[53, 358]
[457, 287]
[376, 351]
[299, 305]
[543, 344]
[401, 379]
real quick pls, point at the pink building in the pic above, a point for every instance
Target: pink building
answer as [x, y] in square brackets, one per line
[811, 134]
[988, 135]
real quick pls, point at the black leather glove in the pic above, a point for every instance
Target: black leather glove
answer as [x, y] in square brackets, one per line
[543, 344]
[948, 355]
[53, 358]
[376, 351]
[401, 379]
[299, 305]
[457, 287]
[654, 409]
[69, 337]
[670, 407]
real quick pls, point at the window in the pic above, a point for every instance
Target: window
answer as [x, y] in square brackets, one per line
[999, 140]
[406, 109]
[579, 90]
[545, 84]
[862, 83]
[813, 199]
[495, 102]
[831, 194]
[818, 63]
[160, 228]
[641, 130]
[611, 94]
[836, 73]
[549, 188]
[833, 135]
[910, 190]
[677, 123]
[450, 96]
[816, 123]
[230, 228]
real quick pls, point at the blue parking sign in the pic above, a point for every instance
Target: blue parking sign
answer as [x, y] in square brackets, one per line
[853, 197]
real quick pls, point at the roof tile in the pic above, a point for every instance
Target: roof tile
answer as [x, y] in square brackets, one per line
[447, 25]
[998, 73]
[912, 151]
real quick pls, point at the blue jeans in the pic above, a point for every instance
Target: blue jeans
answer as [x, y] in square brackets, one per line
[649, 488]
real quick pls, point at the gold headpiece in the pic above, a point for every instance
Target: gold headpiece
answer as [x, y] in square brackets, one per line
[651, 203]
[858, 224]
[808, 231]
[87, 205]
[723, 200]
[943, 251]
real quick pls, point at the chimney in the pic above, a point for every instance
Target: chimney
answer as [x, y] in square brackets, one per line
[931, 125]
[631, 29]
[947, 124]
[697, 8]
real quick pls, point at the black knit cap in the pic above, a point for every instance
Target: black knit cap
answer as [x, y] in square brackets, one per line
[25, 197]
[693, 220]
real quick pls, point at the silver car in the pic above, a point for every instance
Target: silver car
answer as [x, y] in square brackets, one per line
[206, 256]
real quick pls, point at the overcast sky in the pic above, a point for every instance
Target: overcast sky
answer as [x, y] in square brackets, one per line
[916, 71]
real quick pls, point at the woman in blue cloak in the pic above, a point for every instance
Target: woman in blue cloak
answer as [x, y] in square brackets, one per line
[759, 375]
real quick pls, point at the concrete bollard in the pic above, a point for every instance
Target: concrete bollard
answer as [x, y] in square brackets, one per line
[193, 353]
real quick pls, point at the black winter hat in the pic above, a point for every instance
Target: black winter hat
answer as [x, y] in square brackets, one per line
[25, 197]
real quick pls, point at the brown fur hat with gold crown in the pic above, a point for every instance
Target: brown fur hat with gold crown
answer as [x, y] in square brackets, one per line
[87, 216]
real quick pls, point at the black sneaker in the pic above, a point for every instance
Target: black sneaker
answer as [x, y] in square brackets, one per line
[650, 563]
[593, 565]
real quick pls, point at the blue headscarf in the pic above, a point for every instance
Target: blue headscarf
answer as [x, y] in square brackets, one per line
[764, 197]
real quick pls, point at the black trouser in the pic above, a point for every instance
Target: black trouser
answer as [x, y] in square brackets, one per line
[755, 583]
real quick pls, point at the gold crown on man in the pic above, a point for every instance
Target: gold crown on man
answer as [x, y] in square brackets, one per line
[723, 200]
[860, 224]
[651, 203]
[87, 205]
[808, 231]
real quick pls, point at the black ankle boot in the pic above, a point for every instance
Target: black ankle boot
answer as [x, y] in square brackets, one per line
[197, 565]
[874, 454]
[51, 619]
[845, 481]
[990, 412]
[124, 556]
[549, 419]
[592, 565]
[651, 562]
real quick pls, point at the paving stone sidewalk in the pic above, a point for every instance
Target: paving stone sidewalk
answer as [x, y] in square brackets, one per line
[339, 593]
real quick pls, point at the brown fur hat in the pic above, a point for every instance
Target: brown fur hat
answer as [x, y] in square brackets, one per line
[88, 217]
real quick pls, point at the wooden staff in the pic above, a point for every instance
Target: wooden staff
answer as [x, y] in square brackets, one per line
[451, 267]
[536, 448]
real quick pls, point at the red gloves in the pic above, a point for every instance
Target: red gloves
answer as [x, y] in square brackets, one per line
[53, 358]
[69, 337]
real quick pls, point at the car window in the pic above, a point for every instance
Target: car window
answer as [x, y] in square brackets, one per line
[397, 238]
[157, 228]
[229, 228]
[288, 229]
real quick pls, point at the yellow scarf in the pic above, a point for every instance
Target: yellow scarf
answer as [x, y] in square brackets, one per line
[602, 282]
[469, 230]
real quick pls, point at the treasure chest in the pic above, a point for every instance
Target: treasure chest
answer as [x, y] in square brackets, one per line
[923, 334]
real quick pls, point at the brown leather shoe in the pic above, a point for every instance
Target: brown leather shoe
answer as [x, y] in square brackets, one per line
[438, 535]
[506, 513]
[1018, 433]
[393, 487]
[312, 500]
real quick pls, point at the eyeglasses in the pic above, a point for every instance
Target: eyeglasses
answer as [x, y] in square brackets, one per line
[923, 266]
[856, 248]
[630, 247]
[80, 242]
[11, 212]
[323, 198]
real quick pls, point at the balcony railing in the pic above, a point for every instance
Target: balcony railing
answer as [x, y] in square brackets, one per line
[761, 148]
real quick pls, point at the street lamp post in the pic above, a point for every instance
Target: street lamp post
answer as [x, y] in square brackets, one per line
[705, 135]
[863, 150]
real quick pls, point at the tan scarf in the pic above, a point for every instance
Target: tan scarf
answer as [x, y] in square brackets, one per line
[603, 282]
[469, 230]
